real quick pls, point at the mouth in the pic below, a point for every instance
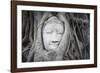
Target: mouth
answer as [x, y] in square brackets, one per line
[54, 43]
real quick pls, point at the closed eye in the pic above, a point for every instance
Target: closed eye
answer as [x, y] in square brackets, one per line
[59, 32]
[49, 32]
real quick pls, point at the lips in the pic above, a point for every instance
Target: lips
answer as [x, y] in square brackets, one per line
[56, 43]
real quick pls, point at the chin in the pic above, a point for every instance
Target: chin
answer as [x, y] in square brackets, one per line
[53, 48]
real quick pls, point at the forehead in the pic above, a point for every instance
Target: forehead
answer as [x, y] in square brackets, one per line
[54, 26]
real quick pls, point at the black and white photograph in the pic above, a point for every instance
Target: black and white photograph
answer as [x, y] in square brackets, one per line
[53, 36]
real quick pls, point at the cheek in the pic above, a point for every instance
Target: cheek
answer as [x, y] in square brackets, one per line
[46, 41]
[46, 38]
[58, 37]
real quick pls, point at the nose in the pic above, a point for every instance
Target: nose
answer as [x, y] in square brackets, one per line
[55, 37]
